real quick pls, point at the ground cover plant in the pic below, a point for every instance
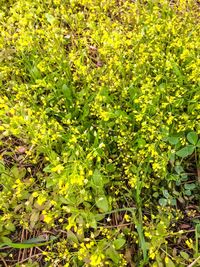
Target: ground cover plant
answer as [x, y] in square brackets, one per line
[99, 133]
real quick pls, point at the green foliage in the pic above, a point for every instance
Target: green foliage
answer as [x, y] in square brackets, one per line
[99, 132]
[186, 151]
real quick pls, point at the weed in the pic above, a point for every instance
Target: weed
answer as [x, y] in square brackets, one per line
[99, 133]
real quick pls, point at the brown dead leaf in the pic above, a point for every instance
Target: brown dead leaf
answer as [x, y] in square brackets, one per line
[128, 256]
[34, 218]
[184, 226]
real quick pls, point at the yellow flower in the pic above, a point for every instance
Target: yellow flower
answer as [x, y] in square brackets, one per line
[127, 218]
[59, 168]
[189, 243]
[96, 260]
[90, 173]
[35, 194]
[47, 218]
[41, 199]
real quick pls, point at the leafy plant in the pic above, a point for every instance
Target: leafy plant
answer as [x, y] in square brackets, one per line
[99, 132]
[186, 151]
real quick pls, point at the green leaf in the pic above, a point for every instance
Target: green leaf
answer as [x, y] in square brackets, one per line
[27, 245]
[173, 140]
[188, 193]
[141, 143]
[184, 177]
[162, 201]
[172, 157]
[10, 226]
[18, 173]
[35, 73]
[198, 143]
[166, 193]
[192, 137]
[119, 243]
[102, 203]
[35, 240]
[179, 169]
[110, 167]
[99, 217]
[67, 92]
[177, 72]
[2, 167]
[93, 223]
[91, 219]
[186, 151]
[169, 262]
[191, 186]
[5, 239]
[97, 180]
[197, 227]
[184, 255]
[72, 237]
[173, 202]
[48, 168]
[15, 172]
[113, 255]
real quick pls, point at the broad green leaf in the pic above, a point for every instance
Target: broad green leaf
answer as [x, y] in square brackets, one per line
[15, 172]
[173, 202]
[169, 262]
[99, 217]
[184, 177]
[113, 255]
[35, 73]
[91, 219]
[162, 201]
[48, 168]
[5, 239]
[192, 137]
[22, 173]
[102, 203]
[67, 92]
[184, 255]
[119, 243]
[191, 186]
[179, 169]
[198, 143]
[173, 140]
[97, 179]
[110, 167]
[72, 237]
[156, 195]
[10, 226]
[141, 142]
[166, 193]
[186, 151]
[188, 193]
[18, 173]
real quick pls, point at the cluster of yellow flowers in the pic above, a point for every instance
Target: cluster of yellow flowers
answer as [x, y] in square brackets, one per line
[94, 90]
